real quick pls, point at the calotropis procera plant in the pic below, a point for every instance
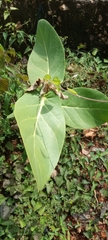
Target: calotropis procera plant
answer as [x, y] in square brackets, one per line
[45, 109]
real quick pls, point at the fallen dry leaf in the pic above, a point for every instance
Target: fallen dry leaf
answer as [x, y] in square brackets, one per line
[91, 133]
[103, 234]
[85, 152]
[73, 238]
[79, 229]
[54, 174]
[63, 7]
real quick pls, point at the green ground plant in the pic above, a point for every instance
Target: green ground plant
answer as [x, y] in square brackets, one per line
[43, 112]
[67, 196]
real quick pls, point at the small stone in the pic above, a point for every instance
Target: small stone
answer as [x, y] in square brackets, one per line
[78, 5]
[100, 18]
[5, 211]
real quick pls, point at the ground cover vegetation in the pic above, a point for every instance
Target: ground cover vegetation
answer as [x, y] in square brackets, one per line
[74, 203]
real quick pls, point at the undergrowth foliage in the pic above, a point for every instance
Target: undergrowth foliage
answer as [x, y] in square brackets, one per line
[12, 33]
[73, 203]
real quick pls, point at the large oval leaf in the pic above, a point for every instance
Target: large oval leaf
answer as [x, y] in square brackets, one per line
[87, 112]
[42, 127]
[48, 55]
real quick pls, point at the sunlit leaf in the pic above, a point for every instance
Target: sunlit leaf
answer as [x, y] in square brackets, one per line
[47, 56]
[13, 8]
[47, 77]
[6, 14]
[95, 51]
[42, 128]
[22, 223]
[56, 81]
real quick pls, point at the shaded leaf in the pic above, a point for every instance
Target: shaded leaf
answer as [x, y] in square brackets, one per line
[2, 59]
[86, 111]
[4, 84]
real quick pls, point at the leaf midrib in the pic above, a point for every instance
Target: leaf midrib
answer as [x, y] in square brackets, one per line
[45, 51]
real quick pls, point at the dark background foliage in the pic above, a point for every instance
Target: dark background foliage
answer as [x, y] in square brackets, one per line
[83, 22]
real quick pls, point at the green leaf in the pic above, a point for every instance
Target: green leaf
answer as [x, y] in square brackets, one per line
[7, 223]
[86, 111]
[10, 115]
[22, 223]
[88, 234]
[56, 82]
[2, 198]
[95, 51]
[41, 211]
[2, 59]
[6, 14]
[71, 91]
[13, 8]
[42, 127]
[47, 77]
[37, 206]
[47, 56]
